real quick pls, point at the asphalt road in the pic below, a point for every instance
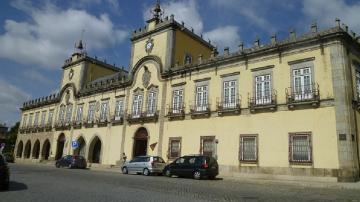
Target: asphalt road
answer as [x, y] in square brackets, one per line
[45, 183]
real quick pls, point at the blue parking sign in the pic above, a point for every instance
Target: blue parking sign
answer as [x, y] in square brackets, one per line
[74, 144]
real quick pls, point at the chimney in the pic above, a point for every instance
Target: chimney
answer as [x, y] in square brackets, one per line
[273, 39]
[292, 34]
[314, 27]
[241, 46]
[226, 51]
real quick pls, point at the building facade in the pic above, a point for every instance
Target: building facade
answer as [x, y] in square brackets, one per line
[289, 107]
[3, 133]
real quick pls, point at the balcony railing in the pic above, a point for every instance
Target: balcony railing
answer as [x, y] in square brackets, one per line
[48, 127]
[200, 109]
[264, 100]
[144, 117]
[77, 124]
[89, 123]
[117, 120]
[176, 112]
[102, 122]
[61, 125]
[303, 95]
[228, 106]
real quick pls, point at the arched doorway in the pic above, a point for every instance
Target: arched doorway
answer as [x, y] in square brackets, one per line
[36, 150]
[95, 151]
[80, 150]
[19, 150]
[27, 151]
[45, 153]
[60, 146]
[140, 142]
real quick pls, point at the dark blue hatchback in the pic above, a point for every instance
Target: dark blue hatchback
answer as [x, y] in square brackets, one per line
[71, 161]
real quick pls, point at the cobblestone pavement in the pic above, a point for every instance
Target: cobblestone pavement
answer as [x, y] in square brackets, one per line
[46, 183]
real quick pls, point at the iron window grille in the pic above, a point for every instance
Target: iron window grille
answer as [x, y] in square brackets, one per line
[300, 149]
[248, 148]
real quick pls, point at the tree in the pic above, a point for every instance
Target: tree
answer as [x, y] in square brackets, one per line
[11, 138]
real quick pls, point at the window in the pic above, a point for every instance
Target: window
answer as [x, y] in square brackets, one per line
[302, 83]
[248, 148]
[104, 111]
[201, 98]
[151, 108]
[208, 146]
[229, 94]
[357, 78]
[137, 105]
[62, 114]
[69, 113]
[24, 120]
[178, 96]
[263, 89]
[30, 120]
[50, 118]
[174, 147]
[300, 148]
[187, 59]
[91, 112]
[180, 161]
[119, 109]
[36, 120]
[79, 113]
[43, 116]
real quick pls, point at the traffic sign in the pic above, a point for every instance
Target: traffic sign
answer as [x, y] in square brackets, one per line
[74, 144]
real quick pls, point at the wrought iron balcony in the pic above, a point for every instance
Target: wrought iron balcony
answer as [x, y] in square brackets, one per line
[176, 112]
[117, 120]
[225, 106]
[200, 110]
[144, 117]
[89, 123]
[303, 95]
[102, 122]
[61, 125]
[264, 100]
[48, 127]
[77, 124]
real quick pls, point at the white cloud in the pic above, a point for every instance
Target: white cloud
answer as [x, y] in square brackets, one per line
[11, 99]
[226, 36]
[325, 12]
[48, 38]
[184, 11]
[35, 76]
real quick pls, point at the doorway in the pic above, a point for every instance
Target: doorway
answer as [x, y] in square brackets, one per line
[140, 142]
[60, 146]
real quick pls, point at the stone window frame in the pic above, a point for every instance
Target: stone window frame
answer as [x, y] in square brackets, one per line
[136, 92]
[230, 77]
[104, 116]
[301, 64]
[68, 113]
[263, 71]
[30, 120]
[43, 118]
[122, 108]
[186, 56]
[152, 88]
[176, 87]
[310, 139]
[36, 119]
[79, 116]
[202, 82]
[256, 136]
[202, 139]
[62, 112]
[50, 118]
[24, 121]
[171, 139]
[91, 103]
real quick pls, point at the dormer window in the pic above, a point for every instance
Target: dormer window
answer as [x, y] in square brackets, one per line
[187, 59]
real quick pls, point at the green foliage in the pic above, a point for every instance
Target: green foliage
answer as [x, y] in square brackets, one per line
[11, 138]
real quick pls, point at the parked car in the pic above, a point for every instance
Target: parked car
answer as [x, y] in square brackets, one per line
[9, 157]
[4, 174]
[196, 166]
[145, 165]
[71, 161]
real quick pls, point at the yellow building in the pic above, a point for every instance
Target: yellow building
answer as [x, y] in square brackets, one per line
[285, 108]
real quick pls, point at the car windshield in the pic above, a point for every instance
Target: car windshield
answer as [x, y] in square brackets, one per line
[158, 159]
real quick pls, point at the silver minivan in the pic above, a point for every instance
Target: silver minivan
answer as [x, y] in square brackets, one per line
[145, 165]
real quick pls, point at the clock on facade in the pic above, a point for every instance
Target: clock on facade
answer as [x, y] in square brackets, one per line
[71, 74]
[149, 45]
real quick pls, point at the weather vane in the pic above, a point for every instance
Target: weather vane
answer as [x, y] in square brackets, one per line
[157, 12]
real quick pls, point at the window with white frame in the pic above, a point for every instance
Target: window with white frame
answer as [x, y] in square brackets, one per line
[230, 95]
[30, 123]
[79, 113]
[137, 105]
[201, 98]
[300, 147]
[90, 115]
[69, 113]
[36, 119]
[248, 148]
[178, 99]
[62, 114]
[50, 118]
[119, 109]
[104, 111]
[43, 117]
[357, 81]
[24, 120]
[151, 103]
[302, 83]
[263, 89]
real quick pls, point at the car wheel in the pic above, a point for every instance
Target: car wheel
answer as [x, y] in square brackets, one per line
[168, 173]
[197, 175]
[211, 177]
[146, 172]
[124, 170]
[57, 165]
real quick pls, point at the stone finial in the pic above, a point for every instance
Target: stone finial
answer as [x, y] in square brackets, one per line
[292, 34]
[337, 22]
[353, 34]
[226, 51]
[182, 23]
[314, 27]
[257, 42]
[201, 35]
[241, 47]
[273, 39]
[192, 30]
[200, 58]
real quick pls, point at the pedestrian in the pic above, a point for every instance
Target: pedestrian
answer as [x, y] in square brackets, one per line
[124, 157]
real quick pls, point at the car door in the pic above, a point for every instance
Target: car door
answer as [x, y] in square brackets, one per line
[141, 164]
[132, 165]
[176, 166]
[189, 166]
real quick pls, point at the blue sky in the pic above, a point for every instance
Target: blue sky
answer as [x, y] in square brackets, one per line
[37, 36]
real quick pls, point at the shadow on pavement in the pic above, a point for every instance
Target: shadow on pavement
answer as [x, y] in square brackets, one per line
[17, 186]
